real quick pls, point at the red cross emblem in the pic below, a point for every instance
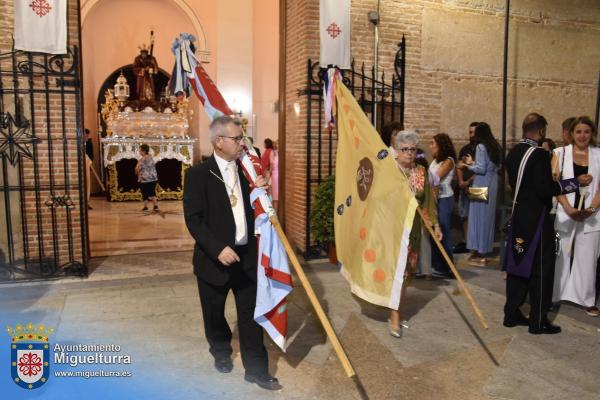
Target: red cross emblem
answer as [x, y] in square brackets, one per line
[40, 7]
[334, 30]
[30, 364]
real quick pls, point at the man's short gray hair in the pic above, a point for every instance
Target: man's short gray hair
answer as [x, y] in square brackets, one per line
[407, 136]
[217, 126]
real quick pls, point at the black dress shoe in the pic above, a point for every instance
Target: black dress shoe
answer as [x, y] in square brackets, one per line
[546, 328]
[223, 365]
[520, 320]
[265, 381]
[460, 248]
[442, 275]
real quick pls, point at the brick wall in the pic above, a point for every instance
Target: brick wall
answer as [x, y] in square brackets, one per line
[453, 69]
[56, 159]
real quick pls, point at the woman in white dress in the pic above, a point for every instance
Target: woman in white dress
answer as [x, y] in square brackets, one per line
[577, 221]
[443, 165]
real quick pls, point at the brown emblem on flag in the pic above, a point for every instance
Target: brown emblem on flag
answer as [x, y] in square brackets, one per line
[364, 178]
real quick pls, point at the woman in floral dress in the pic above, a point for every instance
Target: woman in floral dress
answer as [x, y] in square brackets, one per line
[405, 144]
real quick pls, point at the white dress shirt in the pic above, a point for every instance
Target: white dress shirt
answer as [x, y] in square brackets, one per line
[233, 182]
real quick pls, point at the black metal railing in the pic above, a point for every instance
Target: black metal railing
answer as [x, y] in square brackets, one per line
[383, 101]
[41, 166]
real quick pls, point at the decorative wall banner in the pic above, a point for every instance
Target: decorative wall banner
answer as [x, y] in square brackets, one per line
[334, 30]
[41, 26]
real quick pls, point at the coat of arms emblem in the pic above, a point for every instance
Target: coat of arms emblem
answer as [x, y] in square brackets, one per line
[30, 355]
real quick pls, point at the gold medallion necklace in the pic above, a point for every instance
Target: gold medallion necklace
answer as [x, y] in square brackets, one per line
[232, 197]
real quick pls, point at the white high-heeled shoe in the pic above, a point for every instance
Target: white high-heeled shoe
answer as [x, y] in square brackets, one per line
[395, 332]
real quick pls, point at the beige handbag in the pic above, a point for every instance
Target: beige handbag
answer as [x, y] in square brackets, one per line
[478, 194]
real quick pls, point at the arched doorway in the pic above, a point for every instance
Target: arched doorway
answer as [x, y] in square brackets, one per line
[110, 41]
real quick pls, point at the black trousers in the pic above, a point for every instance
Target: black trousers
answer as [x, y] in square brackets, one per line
[217, 330]
[539, 285]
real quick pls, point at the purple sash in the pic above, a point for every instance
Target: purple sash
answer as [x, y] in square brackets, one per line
[524, 268]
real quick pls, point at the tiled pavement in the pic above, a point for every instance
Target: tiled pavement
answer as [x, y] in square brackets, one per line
[148, 304]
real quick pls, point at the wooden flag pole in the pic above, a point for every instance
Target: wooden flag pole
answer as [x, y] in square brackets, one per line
[337, 346]
[335, 342]
[461, 283]
[98, 179]
[90, 166]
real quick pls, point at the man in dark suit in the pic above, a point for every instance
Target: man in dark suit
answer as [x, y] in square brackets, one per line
[534, 203]
[220, 218]
[89, 144]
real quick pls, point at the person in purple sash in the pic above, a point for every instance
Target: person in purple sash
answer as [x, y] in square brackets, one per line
[530, 246]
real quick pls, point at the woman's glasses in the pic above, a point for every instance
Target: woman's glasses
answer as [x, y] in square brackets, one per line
[408, 149]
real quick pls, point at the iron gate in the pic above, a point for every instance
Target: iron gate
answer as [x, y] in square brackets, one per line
[42, 200]
[382, 101]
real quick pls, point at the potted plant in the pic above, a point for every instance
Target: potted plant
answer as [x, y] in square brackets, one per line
[321, 217]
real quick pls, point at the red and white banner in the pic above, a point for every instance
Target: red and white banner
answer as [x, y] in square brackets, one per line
[273, 278]
[334, 30]
[41, 26]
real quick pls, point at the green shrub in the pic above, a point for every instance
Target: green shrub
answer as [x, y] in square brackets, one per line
[321, 217]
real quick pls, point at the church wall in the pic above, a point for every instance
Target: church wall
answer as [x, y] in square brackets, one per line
[459, 43]
[265, 68]
[302, 42]
[454, 62]
[234, 59]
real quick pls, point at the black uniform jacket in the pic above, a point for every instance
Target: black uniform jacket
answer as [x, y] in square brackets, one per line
[535, 194]
[209, 218]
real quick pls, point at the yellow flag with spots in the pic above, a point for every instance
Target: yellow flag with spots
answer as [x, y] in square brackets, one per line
[374, 207]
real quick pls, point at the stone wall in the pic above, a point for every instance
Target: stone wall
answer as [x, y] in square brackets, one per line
[454, 62]
[31, 218]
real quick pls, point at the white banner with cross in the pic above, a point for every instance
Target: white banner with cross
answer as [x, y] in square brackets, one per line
[334, 29]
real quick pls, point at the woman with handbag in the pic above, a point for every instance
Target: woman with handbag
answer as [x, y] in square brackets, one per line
[577, 221]
[482, 194]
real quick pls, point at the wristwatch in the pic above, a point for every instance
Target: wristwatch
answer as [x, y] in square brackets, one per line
[592, 209]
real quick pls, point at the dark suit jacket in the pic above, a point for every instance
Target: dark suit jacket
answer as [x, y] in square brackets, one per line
[209, 218]
[89, 148]
[536, 192]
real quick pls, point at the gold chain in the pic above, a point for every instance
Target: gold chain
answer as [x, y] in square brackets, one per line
[232, 197]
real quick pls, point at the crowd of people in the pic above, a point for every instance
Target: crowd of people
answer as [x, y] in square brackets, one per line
[468, 185]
